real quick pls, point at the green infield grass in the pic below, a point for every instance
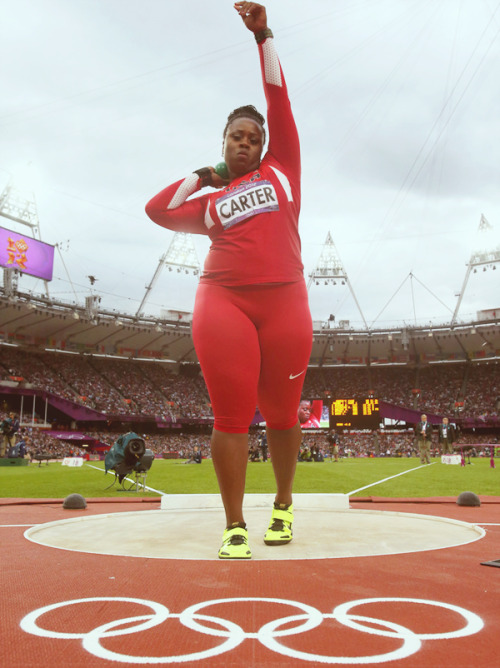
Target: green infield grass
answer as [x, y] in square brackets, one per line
[358, 477]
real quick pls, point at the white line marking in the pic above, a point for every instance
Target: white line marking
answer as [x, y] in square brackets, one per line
[390, 478]
[10, 526]
[151, 489]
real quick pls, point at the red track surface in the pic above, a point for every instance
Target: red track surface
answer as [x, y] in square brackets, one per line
[452, 587]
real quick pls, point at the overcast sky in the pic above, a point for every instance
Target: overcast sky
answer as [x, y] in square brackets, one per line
[397, 103]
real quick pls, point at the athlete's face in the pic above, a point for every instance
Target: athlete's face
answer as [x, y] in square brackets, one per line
[243, 146]
[304, 412]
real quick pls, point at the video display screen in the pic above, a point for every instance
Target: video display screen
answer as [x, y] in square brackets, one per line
[336, 413]
[27, 255]
[313, 414]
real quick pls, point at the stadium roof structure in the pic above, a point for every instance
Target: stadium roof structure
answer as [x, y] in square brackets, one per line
[41, 323]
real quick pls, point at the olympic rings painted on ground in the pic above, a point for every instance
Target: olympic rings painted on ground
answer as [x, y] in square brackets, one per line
[268, 635]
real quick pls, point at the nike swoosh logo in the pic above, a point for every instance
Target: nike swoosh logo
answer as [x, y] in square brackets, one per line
[292, 376]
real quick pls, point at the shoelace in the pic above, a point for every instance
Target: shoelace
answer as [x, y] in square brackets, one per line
[236, 540]
[277, 525]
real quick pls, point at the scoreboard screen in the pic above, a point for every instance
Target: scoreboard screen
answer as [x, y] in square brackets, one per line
[355, 413]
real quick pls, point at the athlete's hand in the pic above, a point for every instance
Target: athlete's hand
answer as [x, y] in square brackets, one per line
[218, 181]
[209, 177]
[253, 15]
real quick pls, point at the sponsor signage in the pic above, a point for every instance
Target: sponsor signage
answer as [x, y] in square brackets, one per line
[27, 255]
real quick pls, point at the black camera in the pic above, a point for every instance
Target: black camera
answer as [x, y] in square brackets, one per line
[126, 455]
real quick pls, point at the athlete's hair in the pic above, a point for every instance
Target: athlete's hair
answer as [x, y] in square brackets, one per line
[248, 111]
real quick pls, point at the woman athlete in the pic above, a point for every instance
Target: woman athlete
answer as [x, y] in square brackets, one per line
[252, 327]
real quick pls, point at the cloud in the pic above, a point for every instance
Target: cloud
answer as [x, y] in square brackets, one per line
[397, 108]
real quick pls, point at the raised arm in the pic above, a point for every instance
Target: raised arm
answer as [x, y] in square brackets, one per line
[172, 208]
[283, 137]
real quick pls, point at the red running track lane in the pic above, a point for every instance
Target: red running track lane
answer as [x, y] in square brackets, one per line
[234, 613]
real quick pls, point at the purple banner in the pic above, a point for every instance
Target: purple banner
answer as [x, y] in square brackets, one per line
[28, 255]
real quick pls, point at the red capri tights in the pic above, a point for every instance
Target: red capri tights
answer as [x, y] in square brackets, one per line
[253, 344]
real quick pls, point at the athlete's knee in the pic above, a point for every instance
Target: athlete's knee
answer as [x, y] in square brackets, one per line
[281, 423]
[231, 425]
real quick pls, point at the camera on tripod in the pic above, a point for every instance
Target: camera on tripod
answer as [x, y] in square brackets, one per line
[128, 454]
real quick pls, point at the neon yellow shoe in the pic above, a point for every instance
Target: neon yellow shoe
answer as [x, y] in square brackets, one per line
[235, 544]
[280, 529]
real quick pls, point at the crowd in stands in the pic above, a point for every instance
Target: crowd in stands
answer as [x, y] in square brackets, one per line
[38, 442]
[315, 445]
[385, 444]
[111, 386]
[471, 390]
[42, 441]
[169, 392]
[483, 390]
[114, 386]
